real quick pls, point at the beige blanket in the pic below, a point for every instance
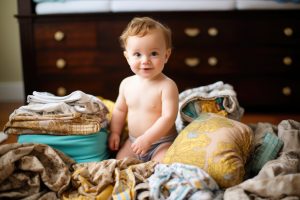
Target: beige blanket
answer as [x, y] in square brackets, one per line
[33, 171]
[278, 179]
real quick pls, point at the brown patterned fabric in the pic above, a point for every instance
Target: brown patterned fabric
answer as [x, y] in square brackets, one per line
[33, 171]
[77, 124]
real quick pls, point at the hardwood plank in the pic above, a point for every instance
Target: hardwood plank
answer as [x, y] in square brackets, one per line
[6, 108]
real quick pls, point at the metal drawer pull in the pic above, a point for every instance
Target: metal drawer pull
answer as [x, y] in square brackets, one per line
[212, 61]
[286, 91]
[192, 32]
[288, 31]
[59, 36]
[287, 61]
[192, 62]
[61, 91]
[213, 31]
[61, 63]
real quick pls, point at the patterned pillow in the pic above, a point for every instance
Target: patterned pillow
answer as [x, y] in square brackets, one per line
[216, 144]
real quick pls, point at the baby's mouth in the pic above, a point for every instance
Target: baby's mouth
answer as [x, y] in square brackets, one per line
[146, 69]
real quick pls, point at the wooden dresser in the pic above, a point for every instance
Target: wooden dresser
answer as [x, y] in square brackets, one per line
[258, 52]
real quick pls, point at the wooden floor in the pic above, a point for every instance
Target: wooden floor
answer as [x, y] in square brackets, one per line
[7, 108]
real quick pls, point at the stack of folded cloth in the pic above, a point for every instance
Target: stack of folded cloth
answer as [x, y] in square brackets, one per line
[71, 6]
[80, 118]
[267, 4]
[100, 6]
[216, 98]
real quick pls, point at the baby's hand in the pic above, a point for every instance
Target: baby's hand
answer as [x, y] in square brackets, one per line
[114, 141]
[140, 146]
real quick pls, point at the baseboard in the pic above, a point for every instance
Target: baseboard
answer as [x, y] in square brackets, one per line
[11, 91]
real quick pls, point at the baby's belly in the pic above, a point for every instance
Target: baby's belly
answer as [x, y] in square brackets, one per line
[138, 124]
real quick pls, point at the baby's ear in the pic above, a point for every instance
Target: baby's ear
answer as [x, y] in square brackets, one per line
[125, 54]
[168, 53]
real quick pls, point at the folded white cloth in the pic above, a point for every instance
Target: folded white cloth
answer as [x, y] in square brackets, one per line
[170, 5]
[265, 4]
[71, 6]
[208, 91]
[3, 137]
[82, 102]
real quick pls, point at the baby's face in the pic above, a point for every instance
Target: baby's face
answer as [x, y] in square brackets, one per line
[147, 55]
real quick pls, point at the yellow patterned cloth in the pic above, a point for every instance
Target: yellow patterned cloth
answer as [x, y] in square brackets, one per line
[108, 179]
[216, 144]
[212, 107]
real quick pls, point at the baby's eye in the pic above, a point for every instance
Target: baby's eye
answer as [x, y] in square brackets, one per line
[154, 53]
[137, 54]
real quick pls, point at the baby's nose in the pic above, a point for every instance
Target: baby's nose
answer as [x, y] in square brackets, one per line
[145, 60]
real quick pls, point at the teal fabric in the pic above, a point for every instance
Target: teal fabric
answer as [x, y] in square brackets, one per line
[81, 148]
[190, 110]
[267, 151]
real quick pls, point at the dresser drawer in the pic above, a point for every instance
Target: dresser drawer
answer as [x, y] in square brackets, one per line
[273, 93]
[270, 31]
[60, 35]
[78, 62]
[196, 32]
[229, 60]
[249, 28]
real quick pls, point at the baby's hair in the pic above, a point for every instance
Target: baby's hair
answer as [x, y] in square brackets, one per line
[140, 26]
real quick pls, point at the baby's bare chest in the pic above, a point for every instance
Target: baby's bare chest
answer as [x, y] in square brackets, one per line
[144, 99]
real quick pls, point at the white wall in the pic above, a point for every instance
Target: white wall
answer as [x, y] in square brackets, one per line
[11, 81]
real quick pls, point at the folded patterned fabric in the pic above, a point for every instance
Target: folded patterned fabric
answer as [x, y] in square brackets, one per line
[77, 113]
[79, 124]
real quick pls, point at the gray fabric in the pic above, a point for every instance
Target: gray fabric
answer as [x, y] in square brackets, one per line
[279, 178]
[154, 147]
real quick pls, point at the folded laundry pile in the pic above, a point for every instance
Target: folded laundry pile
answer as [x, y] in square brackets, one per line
[67, 123]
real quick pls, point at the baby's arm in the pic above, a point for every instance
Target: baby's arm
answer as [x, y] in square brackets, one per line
[118, 120]
[164, 123]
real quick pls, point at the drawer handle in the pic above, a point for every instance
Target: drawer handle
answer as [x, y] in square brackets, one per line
[61, 91]
[192, 62]
[288, 31]
[286, 91]
[287, 61]
[59, 36]
[212, 61]
[213, 31]
[61, 63]
[192, 32]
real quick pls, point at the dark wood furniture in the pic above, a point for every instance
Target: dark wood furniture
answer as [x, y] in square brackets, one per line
[258, 52]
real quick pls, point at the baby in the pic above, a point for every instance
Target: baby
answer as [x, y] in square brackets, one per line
[149, 99]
